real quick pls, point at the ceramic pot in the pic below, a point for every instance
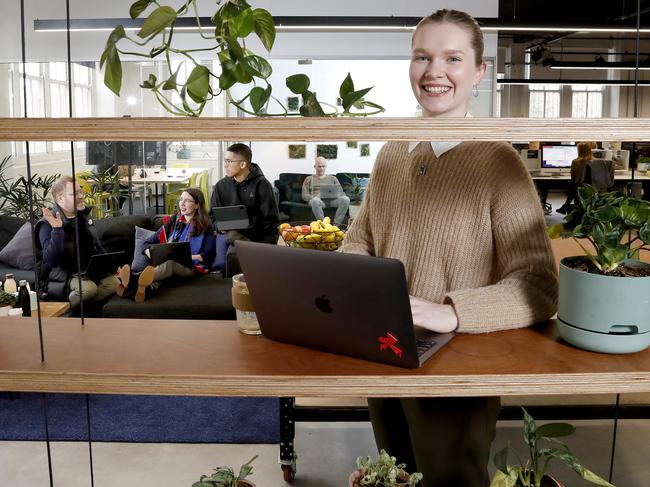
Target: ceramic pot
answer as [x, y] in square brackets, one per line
[601, 313]
[245, 483]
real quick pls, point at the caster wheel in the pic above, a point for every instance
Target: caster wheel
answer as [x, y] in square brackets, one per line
[287, 473]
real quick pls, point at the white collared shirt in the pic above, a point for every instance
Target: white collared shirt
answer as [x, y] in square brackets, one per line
[439, 148]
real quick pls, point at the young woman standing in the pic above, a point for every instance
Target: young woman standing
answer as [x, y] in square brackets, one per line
[465, 220]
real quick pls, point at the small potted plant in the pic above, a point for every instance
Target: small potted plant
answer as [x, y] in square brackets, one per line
[603, 297]
[225, 477]
[382, 472]
[7, 301]
[532, 471]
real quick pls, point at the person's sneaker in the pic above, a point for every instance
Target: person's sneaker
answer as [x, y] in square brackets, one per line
[563, 209]
[124, 275]
[144, 281]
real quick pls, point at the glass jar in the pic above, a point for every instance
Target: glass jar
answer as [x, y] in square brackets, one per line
[243, 304]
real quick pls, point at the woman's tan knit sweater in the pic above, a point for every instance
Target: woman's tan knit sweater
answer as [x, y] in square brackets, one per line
[470, 232]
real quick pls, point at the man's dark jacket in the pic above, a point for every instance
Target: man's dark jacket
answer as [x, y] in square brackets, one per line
[56, 249]
[256, 193]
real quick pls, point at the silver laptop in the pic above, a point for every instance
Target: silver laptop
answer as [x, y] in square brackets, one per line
[329, 191]
[346, 304]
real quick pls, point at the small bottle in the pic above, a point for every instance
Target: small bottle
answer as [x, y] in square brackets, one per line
[10, 284]
[23, 298]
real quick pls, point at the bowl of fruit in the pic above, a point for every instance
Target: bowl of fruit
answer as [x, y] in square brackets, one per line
[318, 235]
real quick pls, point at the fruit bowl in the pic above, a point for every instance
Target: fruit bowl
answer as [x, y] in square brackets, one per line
[318, 235]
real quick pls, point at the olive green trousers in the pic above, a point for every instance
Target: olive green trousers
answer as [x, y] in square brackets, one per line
[446, 439]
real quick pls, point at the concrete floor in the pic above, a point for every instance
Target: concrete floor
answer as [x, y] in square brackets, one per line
[326, 451]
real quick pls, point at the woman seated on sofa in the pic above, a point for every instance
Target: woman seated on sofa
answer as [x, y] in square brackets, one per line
[191, 224]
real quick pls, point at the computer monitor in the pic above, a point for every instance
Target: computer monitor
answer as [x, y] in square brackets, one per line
[558, 157]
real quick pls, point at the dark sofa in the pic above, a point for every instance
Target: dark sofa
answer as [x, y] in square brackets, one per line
[203, 297]
[289, 193]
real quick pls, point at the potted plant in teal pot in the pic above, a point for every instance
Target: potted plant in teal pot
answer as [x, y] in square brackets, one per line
[604, 297]
[543, 446]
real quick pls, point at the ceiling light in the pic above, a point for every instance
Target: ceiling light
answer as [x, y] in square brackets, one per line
[325, 24]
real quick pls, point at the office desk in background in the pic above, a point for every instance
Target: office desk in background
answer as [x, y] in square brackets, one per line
[156, 179]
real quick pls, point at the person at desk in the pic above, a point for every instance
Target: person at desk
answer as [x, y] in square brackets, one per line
[465, 220]
[57, 249]
[578, 169]
[312, 195]
[191, 224]
[245, 184]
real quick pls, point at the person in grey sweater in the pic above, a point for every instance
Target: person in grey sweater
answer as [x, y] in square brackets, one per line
[311, 193]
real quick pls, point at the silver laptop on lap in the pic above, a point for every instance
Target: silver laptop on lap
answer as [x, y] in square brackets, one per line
[346, 304]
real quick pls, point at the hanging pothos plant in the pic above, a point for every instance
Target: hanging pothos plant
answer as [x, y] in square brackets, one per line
[232, 23]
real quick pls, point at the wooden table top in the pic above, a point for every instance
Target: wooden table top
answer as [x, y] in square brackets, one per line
[213, 358]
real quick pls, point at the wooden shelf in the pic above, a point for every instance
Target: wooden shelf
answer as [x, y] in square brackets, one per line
[172, 357]
[323, 129]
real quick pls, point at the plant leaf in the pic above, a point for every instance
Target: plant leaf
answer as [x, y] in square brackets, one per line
[149, 83]
[170, 84]
[259, 96]
[346, 87]
[554, 430]
[116, 34]
[501, 459]
[113, 70]
[264, 27]
[298, 83]
[501, 479]
[138, 7]
[157, 21]
[198, 83]
[259, 66]
[530, 436]
[351, 98]
[242, 24]
[227, 78]
[310, 106]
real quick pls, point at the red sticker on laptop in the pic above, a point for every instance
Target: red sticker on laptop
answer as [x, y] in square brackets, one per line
[389, 341]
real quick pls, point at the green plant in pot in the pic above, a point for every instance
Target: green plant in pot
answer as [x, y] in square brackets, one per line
[224, 39]
[225, 477]
[532, 472]
[604, 303]
[382, 472]
[7, 299]
[14, 193]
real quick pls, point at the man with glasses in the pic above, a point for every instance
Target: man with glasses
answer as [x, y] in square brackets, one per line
[245, 184]
[58, 250]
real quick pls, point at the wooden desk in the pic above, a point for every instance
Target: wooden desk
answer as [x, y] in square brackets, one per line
[158, 178]
[53, 308]
[212, 358]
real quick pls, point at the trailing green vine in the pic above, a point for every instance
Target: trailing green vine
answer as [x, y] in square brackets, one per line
[232, 23]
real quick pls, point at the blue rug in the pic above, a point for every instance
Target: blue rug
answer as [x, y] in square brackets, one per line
[157, 419]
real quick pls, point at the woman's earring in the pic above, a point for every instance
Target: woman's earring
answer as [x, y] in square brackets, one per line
[475, 91]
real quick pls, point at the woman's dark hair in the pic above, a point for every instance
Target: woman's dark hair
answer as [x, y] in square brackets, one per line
[201, 219]
[461, 19]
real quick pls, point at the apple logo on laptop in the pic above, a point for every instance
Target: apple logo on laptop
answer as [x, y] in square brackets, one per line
[323, 304]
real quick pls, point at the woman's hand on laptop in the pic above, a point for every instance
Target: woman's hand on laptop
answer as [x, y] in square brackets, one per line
[440, 318]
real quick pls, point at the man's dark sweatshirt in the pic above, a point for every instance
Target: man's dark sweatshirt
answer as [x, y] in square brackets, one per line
[256, 193]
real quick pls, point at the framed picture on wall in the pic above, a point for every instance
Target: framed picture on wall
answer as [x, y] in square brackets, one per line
[297, 151]
[328, 151]
[293, 103]
[364, 150]
[351, 144]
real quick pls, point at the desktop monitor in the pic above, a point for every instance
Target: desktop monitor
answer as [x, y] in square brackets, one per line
[558, 157]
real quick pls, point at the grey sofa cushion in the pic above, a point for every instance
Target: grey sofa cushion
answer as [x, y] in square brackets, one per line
[19, 251]
[140, 260]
